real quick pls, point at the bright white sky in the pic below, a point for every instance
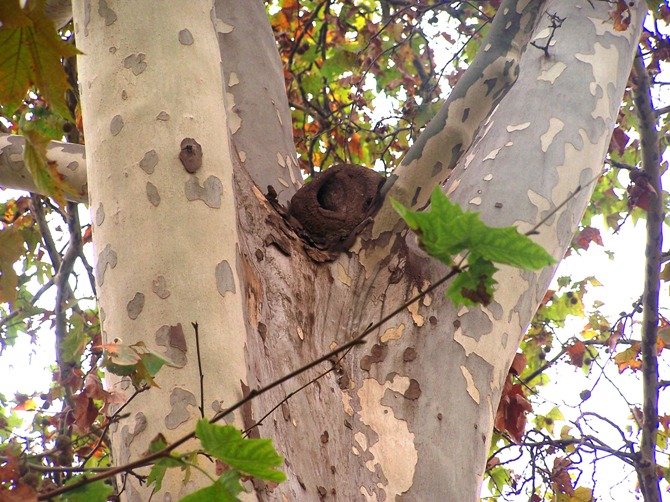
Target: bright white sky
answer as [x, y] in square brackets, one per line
[24, 367]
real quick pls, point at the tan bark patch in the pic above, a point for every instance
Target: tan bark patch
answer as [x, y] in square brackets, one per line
[470, 384]
[394, 333]
[394, 452]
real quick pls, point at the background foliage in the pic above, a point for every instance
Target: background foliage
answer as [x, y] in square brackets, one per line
[363, 78]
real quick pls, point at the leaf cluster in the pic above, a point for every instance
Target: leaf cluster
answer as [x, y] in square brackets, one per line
[446, 231]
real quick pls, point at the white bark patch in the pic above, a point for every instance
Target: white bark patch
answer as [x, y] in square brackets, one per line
[180, 400]
[291, 171]
[394, 452]
[369, 497]
[468, 159]
[414, 310]
[362, 440]
[116, 125]
[135, 63]
[224, 278]
[555, 126]
[149, 161]
[539, 201]
[134, 307]
[222, 27]
[152, 194]
[601, 73]
[301, 333]
[552, 73]
[346, 404]
[280, 160]
[283, 182]
[518, 127]
[394, 333]
[470, 384]
[489, 345]
[163, 116]
[233, 79]
[210, 192]
[488, 177]
[160, 288]
[106, 257]
[541, 35]
[185, 37]
[492, 154]
[243, 155]
[453, 186]
[234, 119]
[342, 275]
[476, 201]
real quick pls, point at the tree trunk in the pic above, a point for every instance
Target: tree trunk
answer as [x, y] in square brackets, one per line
[408, 416]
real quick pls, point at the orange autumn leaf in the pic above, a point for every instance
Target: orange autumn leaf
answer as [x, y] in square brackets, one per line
[518, 364]
[576, 353]
[511, 414]
[621, 16]
[560, 476]
[629, 358]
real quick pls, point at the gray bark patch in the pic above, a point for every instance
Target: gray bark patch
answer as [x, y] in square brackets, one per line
[129, 432]
[174, 341]
[159, 287]
[185, 37]
[149, 161]
[116, 125]
[99, 215]
[377, 355]
[72, 166]
[106, 12]
[409, 354]
[106, 257]
[135, 306]
[224, 278]
[180, 399]
[210, 193]
[136, 63]
[152, 194]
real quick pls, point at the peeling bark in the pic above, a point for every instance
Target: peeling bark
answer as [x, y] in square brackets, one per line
[409, 415]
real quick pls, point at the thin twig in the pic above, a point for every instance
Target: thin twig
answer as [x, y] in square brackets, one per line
[200, 372]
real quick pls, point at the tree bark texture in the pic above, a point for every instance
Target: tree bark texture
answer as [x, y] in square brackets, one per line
[409, 415]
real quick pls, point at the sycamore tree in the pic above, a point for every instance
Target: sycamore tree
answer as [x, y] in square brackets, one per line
[369, 335]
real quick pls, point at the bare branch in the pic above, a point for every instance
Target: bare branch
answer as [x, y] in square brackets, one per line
[646, 468]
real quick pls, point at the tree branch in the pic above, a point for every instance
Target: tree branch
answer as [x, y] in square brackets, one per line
[646, 468]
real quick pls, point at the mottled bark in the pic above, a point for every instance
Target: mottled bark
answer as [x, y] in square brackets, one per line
[163, 231]
[409, 415]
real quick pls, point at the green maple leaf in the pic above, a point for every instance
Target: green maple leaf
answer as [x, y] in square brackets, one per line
[32, 52]
[445, 230]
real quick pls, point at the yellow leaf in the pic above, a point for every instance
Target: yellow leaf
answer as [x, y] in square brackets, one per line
[11, 248]
[665, 273]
